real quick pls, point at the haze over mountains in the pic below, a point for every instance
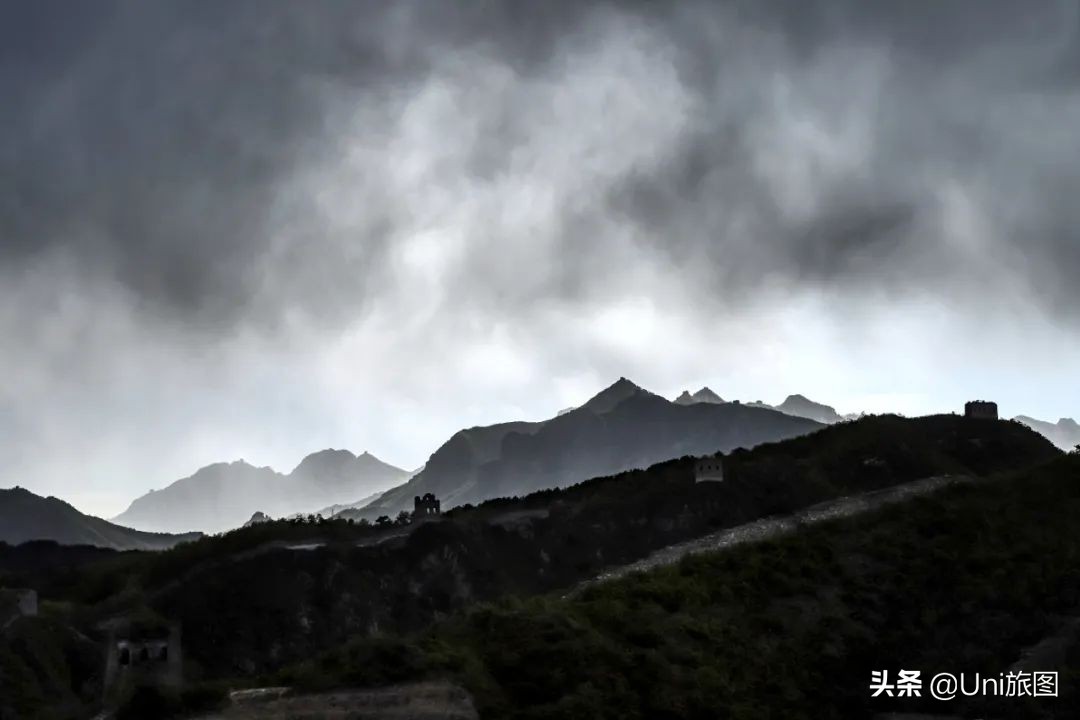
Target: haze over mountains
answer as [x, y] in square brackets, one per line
[622, 427]
[25, 516]
[802, 407]
[224, 496]
[1065, 433]
[702, 395]
[796, 405]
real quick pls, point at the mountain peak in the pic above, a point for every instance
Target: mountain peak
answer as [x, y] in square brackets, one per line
[1065, 433]
[707, 395]
[802, 406]
[322, 458]
[606, 400]
[704, 395]
[336, 463]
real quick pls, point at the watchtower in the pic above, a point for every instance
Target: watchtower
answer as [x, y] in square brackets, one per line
[709, 469]
[981, 409]
[141, 653]
[426, 506]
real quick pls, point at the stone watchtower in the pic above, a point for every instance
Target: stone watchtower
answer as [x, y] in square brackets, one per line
[709, 469]
[140, 654]
[981, 409]
[425, 507]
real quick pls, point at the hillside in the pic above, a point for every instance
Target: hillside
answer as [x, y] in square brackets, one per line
[47, 671]
[249, 604]
[621, 428]
[224, 496]
[966, 581]
[255, 600]
[25, 516]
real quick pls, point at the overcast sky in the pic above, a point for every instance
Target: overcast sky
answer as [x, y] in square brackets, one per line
[257, 229]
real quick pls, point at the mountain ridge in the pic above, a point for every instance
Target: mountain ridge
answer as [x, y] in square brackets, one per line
[801, 406]
[26, 517]
[1065, 433]
[705, 394]
[224, 495]
[621, 427]
[796, 405]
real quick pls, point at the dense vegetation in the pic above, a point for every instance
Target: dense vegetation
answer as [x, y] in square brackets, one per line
[47, 671]
[791, 628]
[249, 605]
[253, 613]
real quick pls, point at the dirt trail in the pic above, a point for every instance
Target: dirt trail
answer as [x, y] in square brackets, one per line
[772, 527]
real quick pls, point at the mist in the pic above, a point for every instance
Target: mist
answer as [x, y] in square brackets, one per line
[255, 230]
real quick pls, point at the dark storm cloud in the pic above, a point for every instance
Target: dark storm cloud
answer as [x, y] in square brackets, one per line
[255, 228]
[151, 148]
[157, 144]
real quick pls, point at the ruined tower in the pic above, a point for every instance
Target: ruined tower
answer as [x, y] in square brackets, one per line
[426, 506]
[981, 409]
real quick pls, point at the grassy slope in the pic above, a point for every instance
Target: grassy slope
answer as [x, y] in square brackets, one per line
[791, 628]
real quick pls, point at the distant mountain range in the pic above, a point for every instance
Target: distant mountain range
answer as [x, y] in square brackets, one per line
[800, 406]
[25, 516]
[702, 395]
[224, 496]
[1065, 433]
[622, 427]
[331, 510]
[796, 405]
